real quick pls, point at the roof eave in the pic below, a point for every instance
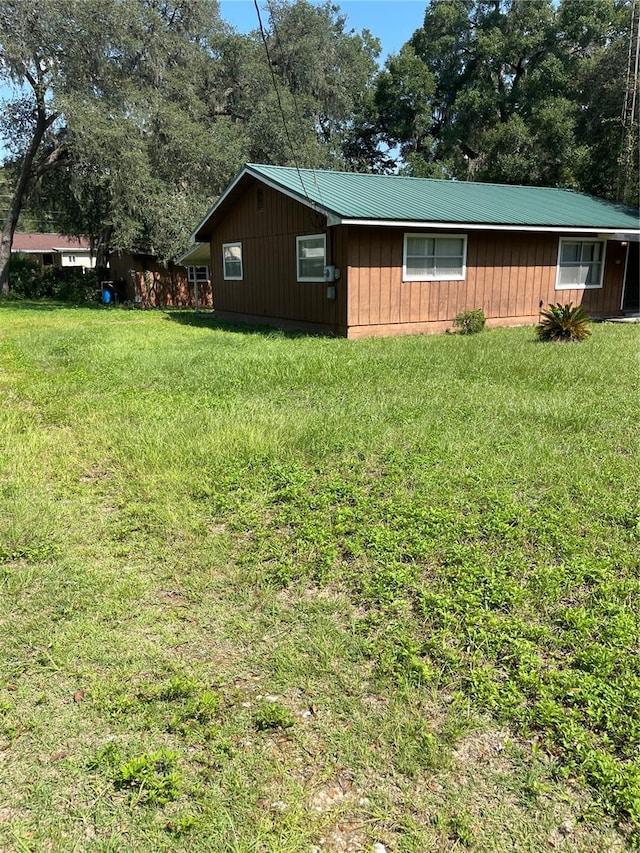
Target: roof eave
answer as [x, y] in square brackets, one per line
[196, 255]
[615, 233]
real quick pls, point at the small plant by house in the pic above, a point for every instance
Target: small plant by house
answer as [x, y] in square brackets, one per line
[470, 322]
[564, 323]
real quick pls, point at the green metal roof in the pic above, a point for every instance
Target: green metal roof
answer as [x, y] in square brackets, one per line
[390, 198]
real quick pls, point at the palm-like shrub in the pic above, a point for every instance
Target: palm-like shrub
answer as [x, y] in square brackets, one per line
[564, 323]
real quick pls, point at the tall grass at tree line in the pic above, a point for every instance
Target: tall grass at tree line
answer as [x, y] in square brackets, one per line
[409, 546]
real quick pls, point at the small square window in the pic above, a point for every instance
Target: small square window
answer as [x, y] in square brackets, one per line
[311, 257]
[232, 261]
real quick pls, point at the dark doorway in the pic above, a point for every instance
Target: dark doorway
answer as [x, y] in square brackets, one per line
[631, 296]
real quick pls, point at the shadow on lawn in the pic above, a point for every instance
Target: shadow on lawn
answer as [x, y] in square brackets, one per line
[207, 320]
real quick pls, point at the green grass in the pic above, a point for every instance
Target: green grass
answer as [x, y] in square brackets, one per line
[268, 592]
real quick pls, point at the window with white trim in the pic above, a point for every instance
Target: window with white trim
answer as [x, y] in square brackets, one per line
[311, 257]
[434, 257]
[580, 264]
[232, 261]
[197, 274]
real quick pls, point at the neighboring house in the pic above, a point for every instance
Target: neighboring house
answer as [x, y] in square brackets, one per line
[54, 250]
[137, 276]
[358, 254]
[141, 278]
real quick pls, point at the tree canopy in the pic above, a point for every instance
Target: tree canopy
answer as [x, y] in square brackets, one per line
[131, 115]
[516, 91]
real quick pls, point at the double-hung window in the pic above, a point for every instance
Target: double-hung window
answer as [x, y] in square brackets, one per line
[232, 261]
[311, 254]
[431, 257]
[580, 264]
[197, 274]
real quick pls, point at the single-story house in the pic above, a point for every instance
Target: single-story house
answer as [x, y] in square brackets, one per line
[359, 254]
[54, 250]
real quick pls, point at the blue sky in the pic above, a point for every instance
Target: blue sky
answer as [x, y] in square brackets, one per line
[392, 21]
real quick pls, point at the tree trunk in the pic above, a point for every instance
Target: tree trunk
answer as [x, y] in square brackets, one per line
[20, 195]
[6, 241]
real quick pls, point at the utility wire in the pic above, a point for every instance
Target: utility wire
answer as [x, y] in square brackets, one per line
[277, 91]
[293, 94]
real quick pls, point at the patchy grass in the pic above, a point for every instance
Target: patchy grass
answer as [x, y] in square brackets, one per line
[272, 592]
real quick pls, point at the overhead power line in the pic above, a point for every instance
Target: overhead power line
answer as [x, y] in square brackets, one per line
[281, 108]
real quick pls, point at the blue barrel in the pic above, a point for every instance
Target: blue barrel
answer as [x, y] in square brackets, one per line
[106, 296]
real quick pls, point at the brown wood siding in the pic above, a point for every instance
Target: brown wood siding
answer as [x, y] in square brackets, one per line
[509, 275]
[269, 290]
[157, 285]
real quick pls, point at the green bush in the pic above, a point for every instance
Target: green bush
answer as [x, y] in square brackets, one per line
[25, 275]
[31, 281]
[470, 322]
[564, 323]
[71, 285]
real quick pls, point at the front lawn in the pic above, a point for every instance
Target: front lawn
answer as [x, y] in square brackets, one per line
[268, 592]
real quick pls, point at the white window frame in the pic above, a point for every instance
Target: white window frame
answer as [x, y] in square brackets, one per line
[454, 276]
[581, 241]
[299, 241]
[194, 276]
[226, 277]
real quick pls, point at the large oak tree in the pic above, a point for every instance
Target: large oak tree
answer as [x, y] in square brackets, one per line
[132, 115]
[517, 91]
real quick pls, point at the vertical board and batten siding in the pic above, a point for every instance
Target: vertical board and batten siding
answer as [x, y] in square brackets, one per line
[269, 291]
[511, 276]
[157, 285]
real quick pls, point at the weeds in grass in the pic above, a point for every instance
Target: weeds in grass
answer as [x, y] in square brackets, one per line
[272, 715]
[151, 778]
[393, 536]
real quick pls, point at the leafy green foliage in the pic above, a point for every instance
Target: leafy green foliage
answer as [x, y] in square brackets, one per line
[151, 778]
[149, 114]
[272, 715]
[26, 276]
[564, 323]
[470, 322]
[31, 281]
[526, 93]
